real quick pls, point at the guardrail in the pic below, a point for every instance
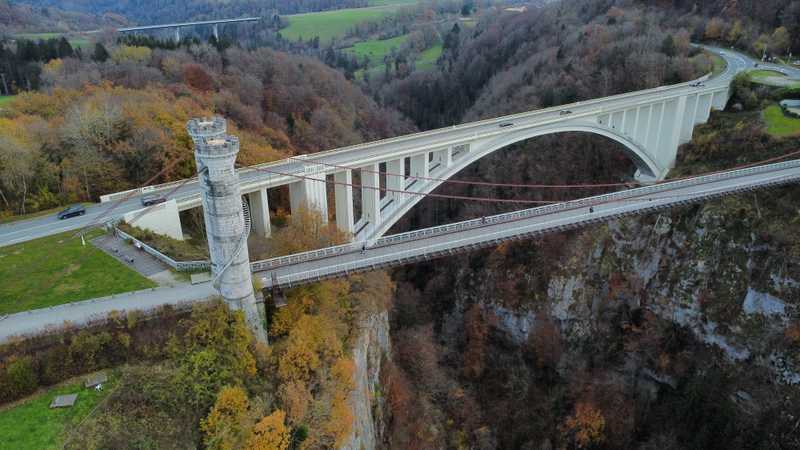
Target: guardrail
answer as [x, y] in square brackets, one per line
[180, 266]
[415, 255]
[272, 263]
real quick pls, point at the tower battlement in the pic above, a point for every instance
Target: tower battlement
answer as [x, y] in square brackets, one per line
[207, 127]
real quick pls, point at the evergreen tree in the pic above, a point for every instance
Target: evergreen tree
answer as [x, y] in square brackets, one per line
[668, 46]
[100, 53]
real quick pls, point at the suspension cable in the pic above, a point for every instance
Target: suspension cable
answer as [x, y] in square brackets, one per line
[468, 182]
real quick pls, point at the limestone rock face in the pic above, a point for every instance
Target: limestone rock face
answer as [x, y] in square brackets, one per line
[372, 345]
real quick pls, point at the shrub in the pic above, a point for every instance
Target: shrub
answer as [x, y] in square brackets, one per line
[18, 379]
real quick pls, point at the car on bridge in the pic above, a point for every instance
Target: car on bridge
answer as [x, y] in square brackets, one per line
[506, 125]
[565, 112]
[72, 211]
[150, 200]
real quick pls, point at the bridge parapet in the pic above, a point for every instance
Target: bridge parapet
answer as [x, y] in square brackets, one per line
[272, 263]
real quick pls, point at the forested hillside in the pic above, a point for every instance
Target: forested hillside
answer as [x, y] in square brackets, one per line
[514, 63]
[22, 16]
[545, 57]
[161, 11]
[769, 26]
[607, 338]
[102, 126]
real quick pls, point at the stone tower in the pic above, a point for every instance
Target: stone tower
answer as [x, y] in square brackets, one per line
[226, 223]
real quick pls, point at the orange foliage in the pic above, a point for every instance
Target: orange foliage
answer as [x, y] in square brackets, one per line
[225, 426]
[295, 398]
[270, 433]
[545, 341]
[340, 422]
[476, 333]
[195, 76]
[586, 426]
[311, 342]
[793, 333]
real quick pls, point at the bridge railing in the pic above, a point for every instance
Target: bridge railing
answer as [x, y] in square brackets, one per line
[180, 266]
[272, 263]
[414, 254]
[585, 202]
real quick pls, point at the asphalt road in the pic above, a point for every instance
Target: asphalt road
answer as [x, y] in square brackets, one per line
[21, 231]
[79, 313]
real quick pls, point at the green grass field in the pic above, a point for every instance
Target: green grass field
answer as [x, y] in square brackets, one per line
[778, 124]
[58, 269]
[376, 49]
[391, 2]
[427, 59]
[719, 63]
[772, 78]
[333, 24]
[756, 74]
[73, 41]
[5, 99]
[33, 425]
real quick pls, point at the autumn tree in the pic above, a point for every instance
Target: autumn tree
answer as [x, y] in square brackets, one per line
[545, 341]
[227, 425]
[477, 331]
[215, 352]
[736, 32]
[585, 427]
[305, 231]
[17, 169]
[270, 433]
[715, 29]
[131, 54]
[311, 343]
[780, 41]
[195, 76]
[295, 397]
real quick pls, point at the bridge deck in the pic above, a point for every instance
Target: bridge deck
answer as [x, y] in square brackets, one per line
[187, 24]
[446, 240]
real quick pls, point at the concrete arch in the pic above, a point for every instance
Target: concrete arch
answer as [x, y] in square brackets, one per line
[641, 159]
[646, 165]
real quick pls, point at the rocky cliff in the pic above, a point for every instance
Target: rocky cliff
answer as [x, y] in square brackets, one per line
[370, 348]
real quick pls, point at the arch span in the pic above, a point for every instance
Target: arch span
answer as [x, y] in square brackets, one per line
[647, 168]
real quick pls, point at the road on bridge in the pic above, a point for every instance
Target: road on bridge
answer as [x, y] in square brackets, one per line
[449, 239]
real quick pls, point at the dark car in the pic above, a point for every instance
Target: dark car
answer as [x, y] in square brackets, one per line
[150, 200]
[72, 211]
[565, 112]
[506, 124]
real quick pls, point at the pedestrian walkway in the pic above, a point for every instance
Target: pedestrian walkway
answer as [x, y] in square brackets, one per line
[132, 257]
[81, 313]
[138, 260]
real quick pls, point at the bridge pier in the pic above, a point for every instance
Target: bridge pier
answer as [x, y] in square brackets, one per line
[371, 194]
[163, 218]
[443, 158]
[215, 30]
[215, 154]
[395, 178]
[310, 193]
[177, 35]
[343, 193]
[259, 212]
[419, 166]
[720, 100]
